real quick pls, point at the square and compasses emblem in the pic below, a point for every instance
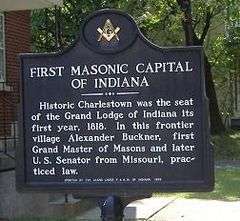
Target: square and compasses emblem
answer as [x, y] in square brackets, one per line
[108, 32]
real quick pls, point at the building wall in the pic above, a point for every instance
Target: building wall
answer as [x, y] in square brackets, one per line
[12, 203]
[17, 40]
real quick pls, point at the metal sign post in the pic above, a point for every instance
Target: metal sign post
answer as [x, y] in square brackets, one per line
[111, 208]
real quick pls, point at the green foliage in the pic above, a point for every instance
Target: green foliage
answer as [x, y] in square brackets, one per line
[223, 62]
[227, 146]
[233, 23]
[44, 24]
[157, 20]
[161, 22]
[224, 53]
[66, 21]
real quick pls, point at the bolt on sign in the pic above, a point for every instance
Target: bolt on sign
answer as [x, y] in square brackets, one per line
[114, 113]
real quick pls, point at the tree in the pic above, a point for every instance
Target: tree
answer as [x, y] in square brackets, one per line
[192, 39]
[225, 59]
[161, 21]
[165, 13]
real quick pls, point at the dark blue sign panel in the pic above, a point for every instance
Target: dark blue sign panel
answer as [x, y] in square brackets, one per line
[114, 114]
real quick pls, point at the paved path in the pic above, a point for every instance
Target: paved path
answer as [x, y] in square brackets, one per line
[199, 210]
[227, 164]
[173, 209]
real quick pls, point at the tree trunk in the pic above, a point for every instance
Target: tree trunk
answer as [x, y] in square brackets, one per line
[191, 39]
[215, 117]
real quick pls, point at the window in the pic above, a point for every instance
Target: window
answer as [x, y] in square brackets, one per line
[2, 48]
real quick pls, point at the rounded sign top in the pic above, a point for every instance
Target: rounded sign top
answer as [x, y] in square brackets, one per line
[109, 31]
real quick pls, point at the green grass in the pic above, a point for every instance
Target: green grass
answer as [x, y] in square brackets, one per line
[227, 188]
[227, 145]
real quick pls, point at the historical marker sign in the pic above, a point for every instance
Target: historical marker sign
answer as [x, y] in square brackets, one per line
[114, 113]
